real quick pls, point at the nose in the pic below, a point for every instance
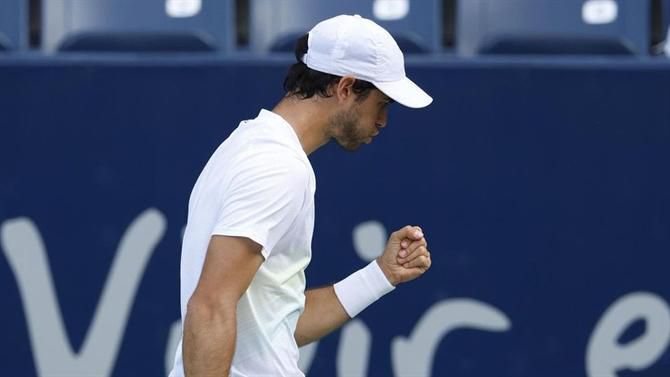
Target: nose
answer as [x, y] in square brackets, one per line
[382, 119]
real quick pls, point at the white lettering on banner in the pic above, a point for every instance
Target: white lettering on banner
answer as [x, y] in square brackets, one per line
[369, 240]
[24, 249]
[53, 354]
[353, 353]
[174, 336]
[307, 354]
[413, 356]
[605, 356]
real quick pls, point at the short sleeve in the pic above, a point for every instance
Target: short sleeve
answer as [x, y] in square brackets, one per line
[263, 199]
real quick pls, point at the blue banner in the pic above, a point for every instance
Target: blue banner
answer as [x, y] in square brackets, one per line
[543, 190]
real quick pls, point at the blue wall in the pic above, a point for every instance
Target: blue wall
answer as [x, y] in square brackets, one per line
[543, 188]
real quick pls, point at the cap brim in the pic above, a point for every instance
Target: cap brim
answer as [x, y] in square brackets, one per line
[405, 92]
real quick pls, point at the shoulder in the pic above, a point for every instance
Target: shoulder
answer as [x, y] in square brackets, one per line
[268, 164]
[262, 149]
[277, 162]
[274, 149]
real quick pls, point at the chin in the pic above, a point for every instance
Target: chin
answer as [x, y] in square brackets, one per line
[351, 147]
[349, 144]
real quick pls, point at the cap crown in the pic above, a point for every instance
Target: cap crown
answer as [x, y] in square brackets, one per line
[352, 45]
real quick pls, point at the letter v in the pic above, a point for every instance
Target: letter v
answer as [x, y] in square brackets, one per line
[24, 249]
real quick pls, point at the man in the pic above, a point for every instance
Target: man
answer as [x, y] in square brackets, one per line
[251, 213]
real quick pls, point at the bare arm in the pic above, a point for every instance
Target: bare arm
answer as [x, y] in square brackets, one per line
[323, 314]
[405, 258]
[210, 324]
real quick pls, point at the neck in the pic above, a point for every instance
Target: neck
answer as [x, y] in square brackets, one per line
[309, 119]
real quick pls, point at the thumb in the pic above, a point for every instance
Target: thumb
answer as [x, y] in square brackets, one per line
[407, 232]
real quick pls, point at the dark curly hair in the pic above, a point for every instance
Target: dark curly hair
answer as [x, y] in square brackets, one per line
[305, 82]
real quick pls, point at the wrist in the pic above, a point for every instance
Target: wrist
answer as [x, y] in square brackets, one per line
[360, 289]
[389, 276]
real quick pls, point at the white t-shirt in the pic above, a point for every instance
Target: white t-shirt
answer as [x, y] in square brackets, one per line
[258, 184]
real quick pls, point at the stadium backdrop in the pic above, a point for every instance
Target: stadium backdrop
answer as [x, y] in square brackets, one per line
[543, 188]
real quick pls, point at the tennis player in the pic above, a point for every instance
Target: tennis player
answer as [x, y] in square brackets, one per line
[251, 213]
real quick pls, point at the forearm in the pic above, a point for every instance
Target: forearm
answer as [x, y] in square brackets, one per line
[323, 314]
[328, 308]
[209, 341]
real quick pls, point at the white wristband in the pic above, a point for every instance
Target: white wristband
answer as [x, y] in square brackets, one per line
[360, 289]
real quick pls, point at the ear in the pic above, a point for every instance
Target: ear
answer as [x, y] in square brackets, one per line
[344, 90]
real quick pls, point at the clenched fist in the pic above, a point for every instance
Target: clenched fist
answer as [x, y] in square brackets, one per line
[406, 256]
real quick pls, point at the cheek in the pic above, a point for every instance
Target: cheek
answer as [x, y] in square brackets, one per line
[370, 115]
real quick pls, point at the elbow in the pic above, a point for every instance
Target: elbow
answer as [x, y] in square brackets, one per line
[209, 332]
[208, 309]
[302, 340]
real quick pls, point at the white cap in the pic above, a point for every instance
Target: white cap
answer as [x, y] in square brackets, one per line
[353, 45]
